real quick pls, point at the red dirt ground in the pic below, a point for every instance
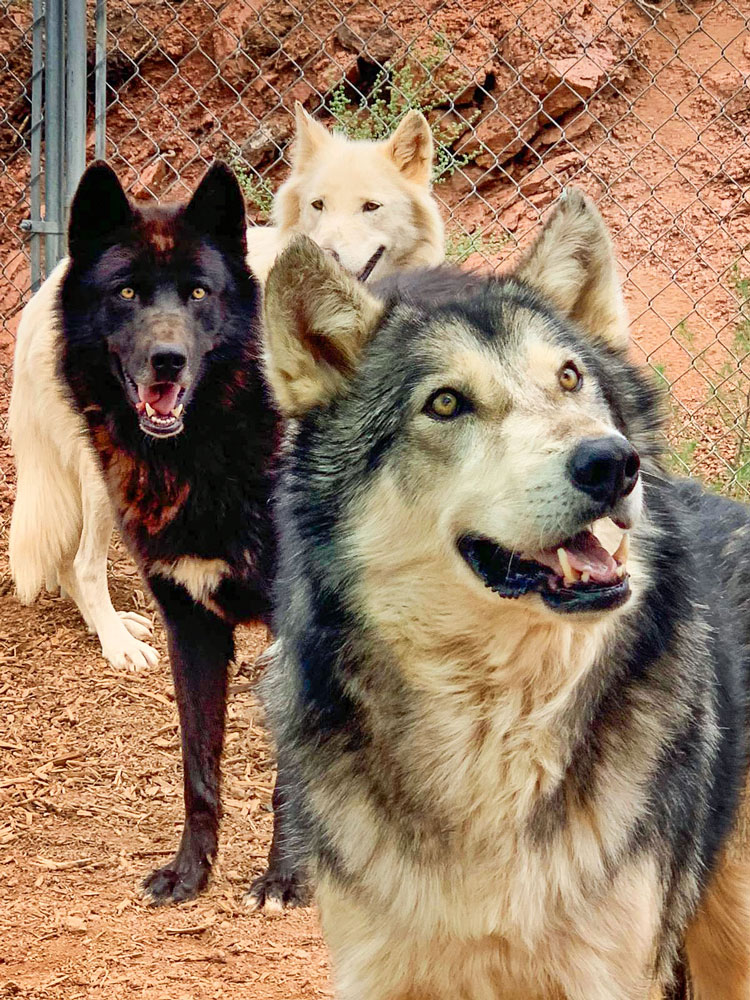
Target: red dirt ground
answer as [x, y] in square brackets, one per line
[90, 783]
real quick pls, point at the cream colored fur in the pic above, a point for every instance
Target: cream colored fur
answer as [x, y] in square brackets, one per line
[512, 917]
[200, 577]
[573, 265]
[335, 324]
[62, 521]
[512, 920]
[344, 175]
[718, 943]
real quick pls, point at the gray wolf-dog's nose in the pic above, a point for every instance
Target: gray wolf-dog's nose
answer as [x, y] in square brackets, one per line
[605, 468]
[167, 360]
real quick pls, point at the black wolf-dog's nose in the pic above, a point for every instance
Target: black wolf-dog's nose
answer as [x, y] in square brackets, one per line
[605, 468]
[167, 360]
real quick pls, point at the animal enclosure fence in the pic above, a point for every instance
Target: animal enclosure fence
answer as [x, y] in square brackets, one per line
[644, 105]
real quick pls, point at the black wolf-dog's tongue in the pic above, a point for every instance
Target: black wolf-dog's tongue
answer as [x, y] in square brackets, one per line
[161, 397]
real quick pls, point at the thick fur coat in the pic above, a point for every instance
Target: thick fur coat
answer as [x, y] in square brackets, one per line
[517, 751]
[156, 320]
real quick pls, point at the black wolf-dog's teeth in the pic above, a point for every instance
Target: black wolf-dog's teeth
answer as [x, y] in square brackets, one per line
[161, 348]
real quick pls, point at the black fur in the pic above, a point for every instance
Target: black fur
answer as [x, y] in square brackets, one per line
[203, 492]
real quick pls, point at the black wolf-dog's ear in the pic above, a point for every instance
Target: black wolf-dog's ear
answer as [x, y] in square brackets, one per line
[99, 207]
[573, 265]
[217, 208]
[318, 319]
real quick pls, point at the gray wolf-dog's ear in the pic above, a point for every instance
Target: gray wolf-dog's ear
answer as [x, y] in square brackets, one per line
[573, 265]
[217, 208]
[410, 148]
[317, 320]
[100, 207]
[309, 136]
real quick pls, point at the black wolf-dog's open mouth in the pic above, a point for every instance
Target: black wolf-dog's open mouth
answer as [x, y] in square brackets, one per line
[160, 406]
[579, 574]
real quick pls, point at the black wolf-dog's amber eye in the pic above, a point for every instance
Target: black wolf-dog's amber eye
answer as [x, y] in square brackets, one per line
[445, 404]
[198, 293]
[569, 377]
[318, 204]
[370, 206]
[127, 293]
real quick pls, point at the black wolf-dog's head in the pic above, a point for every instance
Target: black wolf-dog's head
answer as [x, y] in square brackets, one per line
[150, 294]
[463, 439]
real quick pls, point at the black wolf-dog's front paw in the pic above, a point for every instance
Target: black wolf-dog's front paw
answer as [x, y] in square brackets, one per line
[176, 882]
[277, 890]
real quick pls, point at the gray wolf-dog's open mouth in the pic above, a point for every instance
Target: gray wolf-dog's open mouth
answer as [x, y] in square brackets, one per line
[159, 406]
[579, 574]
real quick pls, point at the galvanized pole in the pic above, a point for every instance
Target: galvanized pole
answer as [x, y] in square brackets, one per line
[35, 185]
[54, 132]
[75, 99]
[100, 81]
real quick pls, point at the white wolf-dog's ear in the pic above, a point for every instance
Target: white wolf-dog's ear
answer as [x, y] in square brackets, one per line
[410, 148]
[317, 320]
[309, 136]
[573, 265]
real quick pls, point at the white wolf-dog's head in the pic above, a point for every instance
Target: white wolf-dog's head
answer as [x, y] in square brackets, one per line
[367, 204]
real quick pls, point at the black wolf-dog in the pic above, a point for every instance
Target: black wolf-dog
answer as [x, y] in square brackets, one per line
[160, 352]
[512, 654]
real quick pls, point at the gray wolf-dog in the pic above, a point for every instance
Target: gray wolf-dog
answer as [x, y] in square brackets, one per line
[158, 318]
[512, 657]
[367, 203]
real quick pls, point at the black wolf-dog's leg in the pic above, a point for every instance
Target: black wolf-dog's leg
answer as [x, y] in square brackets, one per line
[200, 647]
[285, 882]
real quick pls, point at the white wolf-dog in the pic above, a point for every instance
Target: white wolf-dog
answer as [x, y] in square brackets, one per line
[368, 203]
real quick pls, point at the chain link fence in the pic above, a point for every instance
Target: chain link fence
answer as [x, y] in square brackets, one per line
[644, 105]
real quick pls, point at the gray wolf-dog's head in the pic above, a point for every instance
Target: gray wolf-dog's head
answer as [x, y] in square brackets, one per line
[154, 290]
[367, 204]
[480, 436]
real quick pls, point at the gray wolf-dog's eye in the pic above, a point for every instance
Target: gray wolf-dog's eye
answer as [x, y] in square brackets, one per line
[127, 293]
[370, 206]
[569, 377]
[318, 204]
[445, 404]
[198, 293]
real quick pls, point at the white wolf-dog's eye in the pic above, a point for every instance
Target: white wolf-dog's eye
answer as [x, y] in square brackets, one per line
[127, 293]
[445, 404]
[371, 206]
[317, 204]
[198, 293]
[569, 377]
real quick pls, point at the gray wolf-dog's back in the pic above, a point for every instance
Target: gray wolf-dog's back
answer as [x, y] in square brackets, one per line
[512, 652]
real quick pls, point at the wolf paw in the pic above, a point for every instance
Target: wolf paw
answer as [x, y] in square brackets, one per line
[127, 652]
[170, 885]
[139, 626]
[276, 891]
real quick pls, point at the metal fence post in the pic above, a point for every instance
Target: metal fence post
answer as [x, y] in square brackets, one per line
[35, 180]
[100, 81]
[75, 98]
[54, 132]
